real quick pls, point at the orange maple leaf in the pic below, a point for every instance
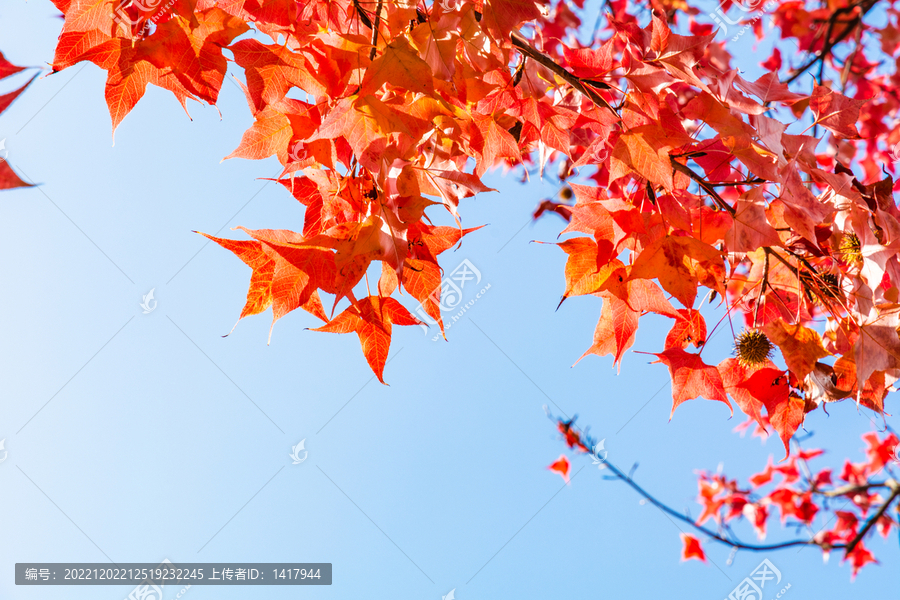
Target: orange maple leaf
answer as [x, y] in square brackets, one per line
[371, 318]
[183, 54]
[680, 264]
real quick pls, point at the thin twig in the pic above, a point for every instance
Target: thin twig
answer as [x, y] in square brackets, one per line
[762, 290]
[531, 52]
[829, 45]
[673, 513]
[852, 489]
[587, 441]
[871, 522]
[374, 49]
[705, 185]
[737, 183]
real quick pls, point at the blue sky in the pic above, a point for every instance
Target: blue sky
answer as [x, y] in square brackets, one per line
[136, 437]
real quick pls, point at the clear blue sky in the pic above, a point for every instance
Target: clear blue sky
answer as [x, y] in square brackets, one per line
[136, 437]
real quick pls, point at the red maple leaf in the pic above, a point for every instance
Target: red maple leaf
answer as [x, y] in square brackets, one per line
[562, 467]
[692, 378]
[691, 548]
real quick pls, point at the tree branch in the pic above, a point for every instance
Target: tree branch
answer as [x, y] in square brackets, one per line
[531, 52]
[673, 513]
[871, 522]
[853, 489]
[705, 185]
[829, 45]
[737, 183]
[374, 49]
[587, 442]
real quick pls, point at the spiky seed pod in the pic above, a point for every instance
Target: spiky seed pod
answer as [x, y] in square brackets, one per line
[831, 286]
[820, 287]
[850, 248]
[566, 193]
[752, 347]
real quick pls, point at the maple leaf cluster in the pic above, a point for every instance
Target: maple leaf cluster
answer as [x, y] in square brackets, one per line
[858, 499]
[798, 493]
[697, 184]
[687, 177]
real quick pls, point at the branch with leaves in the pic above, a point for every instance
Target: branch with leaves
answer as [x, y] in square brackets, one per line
[798, 494]
[683, 180]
